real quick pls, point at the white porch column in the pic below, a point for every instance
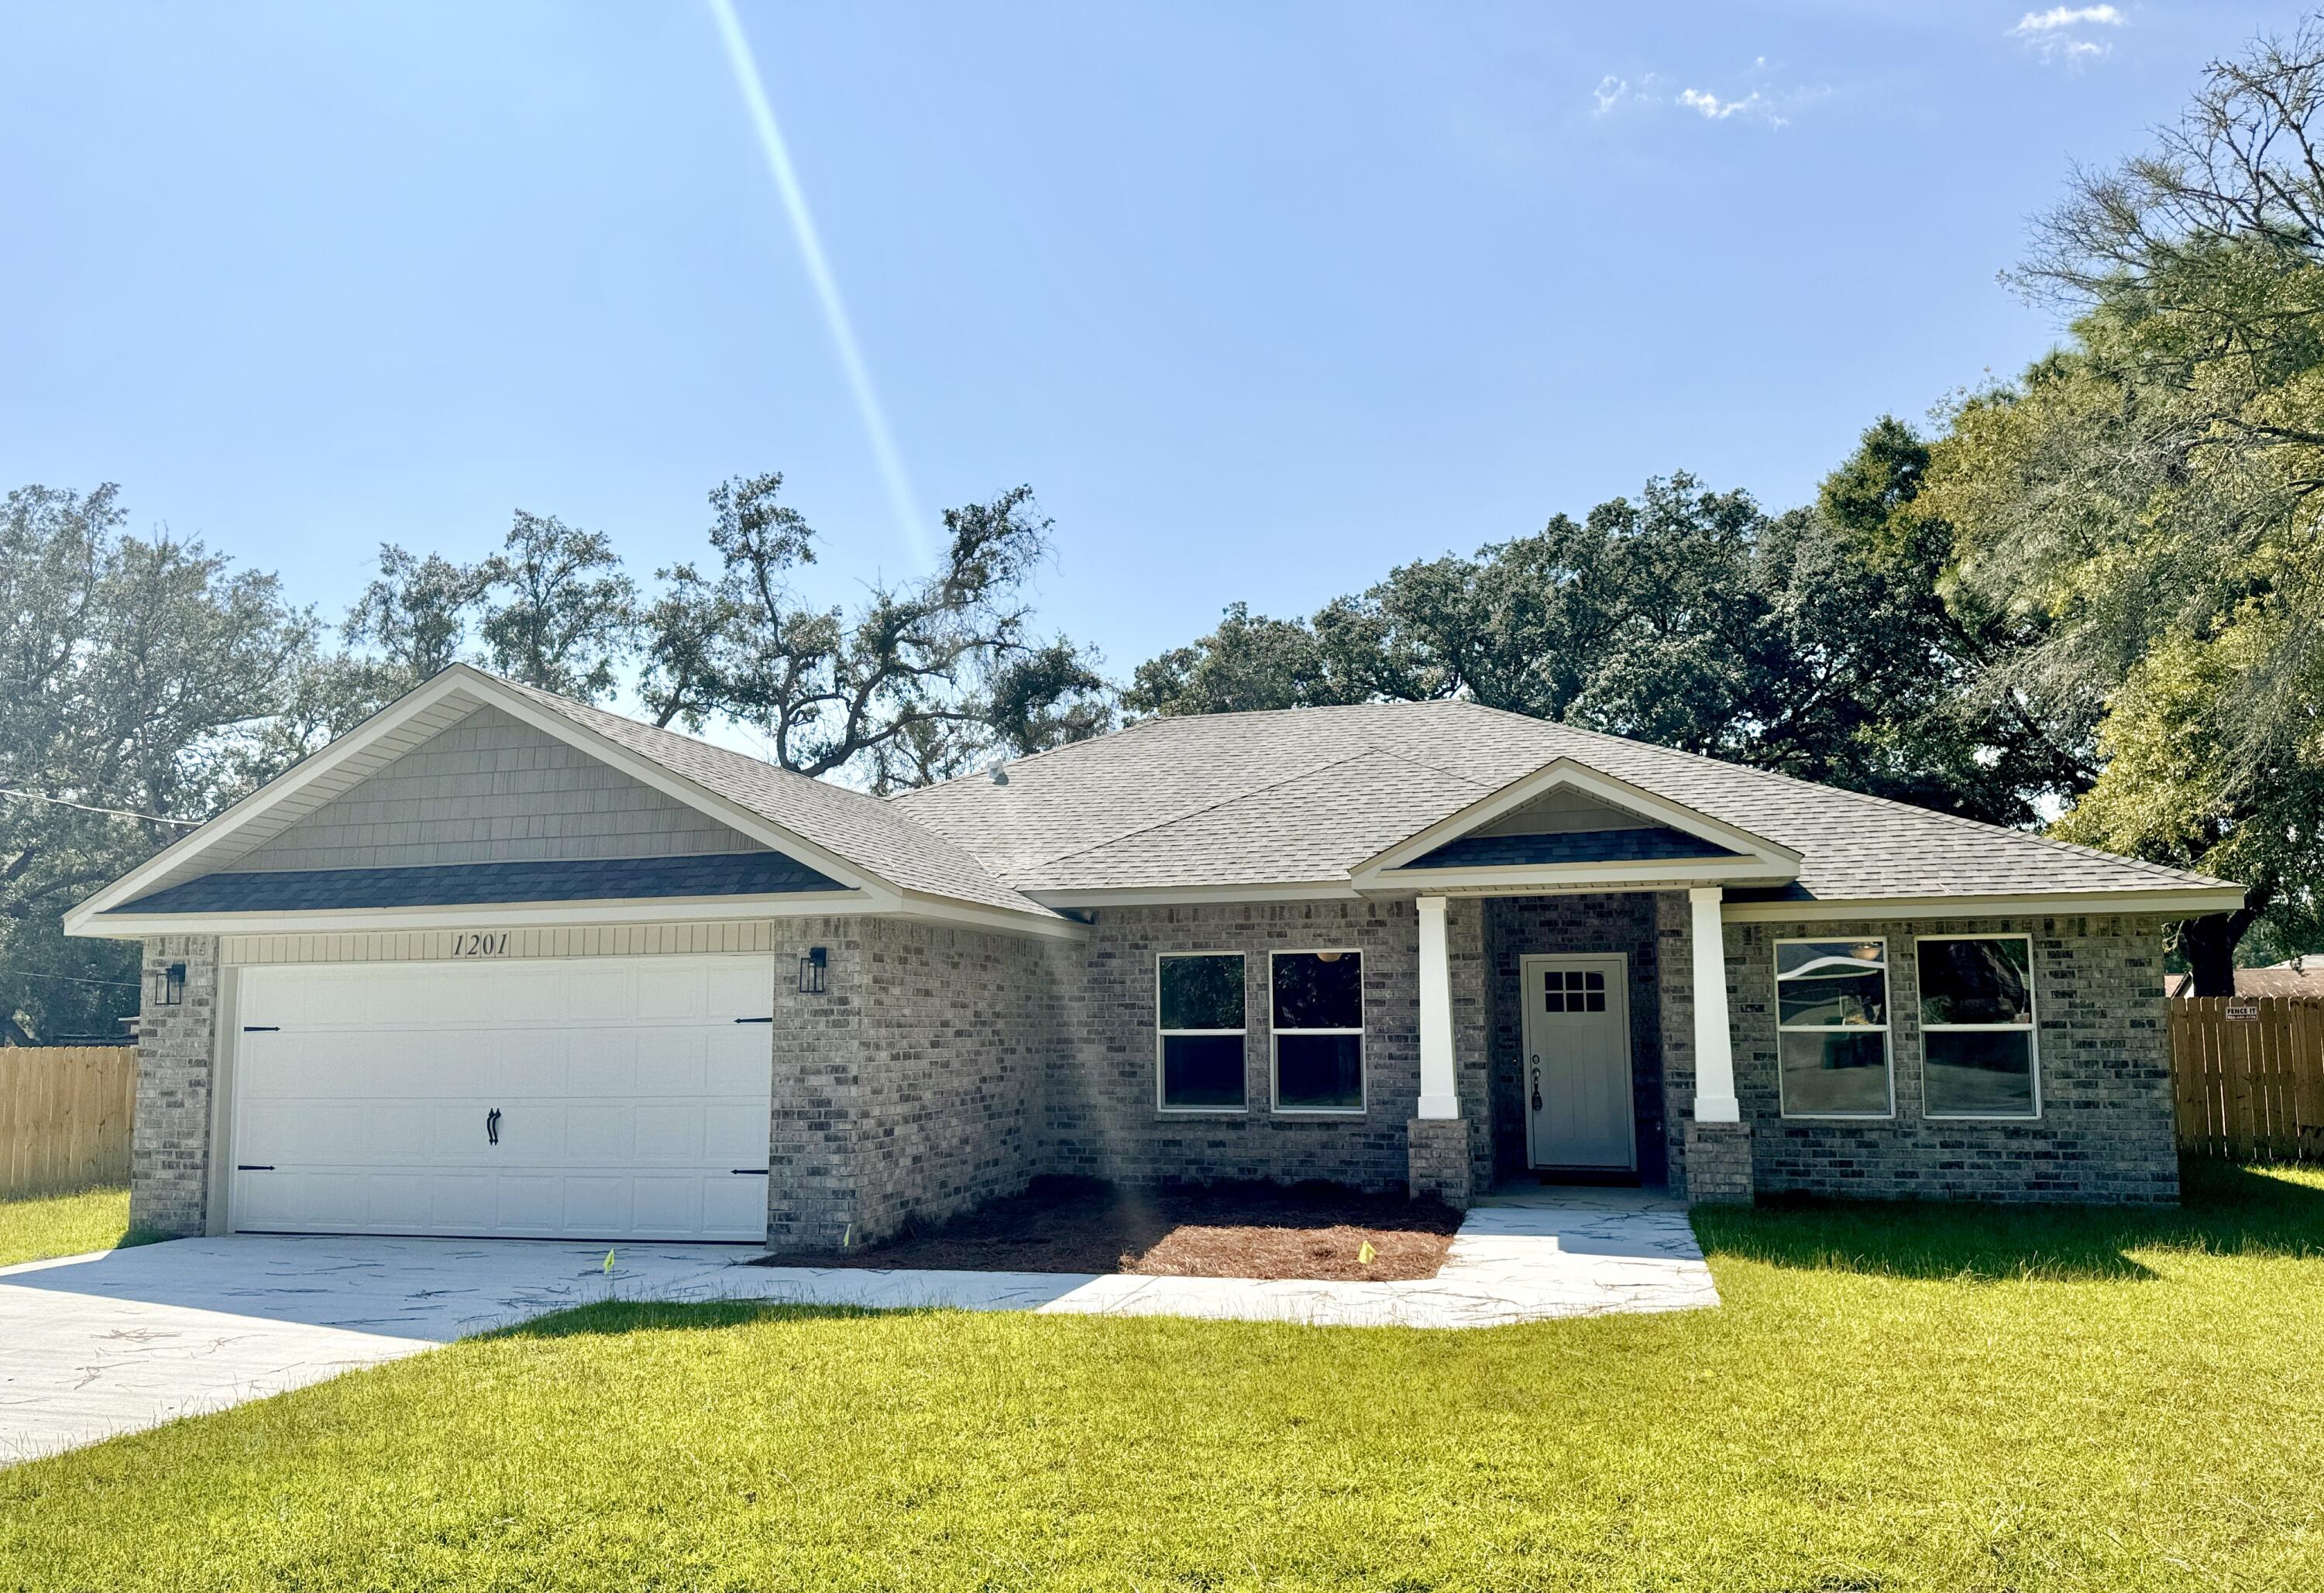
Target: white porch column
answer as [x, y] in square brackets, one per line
[1714, 1048]
[1439, 1093]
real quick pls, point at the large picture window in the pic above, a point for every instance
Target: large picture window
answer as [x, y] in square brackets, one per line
[1831, 1028]
[1199, 1022]
[1976, 1027]
[1318, 1031]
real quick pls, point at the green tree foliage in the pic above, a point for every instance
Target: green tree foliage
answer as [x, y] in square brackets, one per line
[141, 675]
[2148, 496]
[1813, 643]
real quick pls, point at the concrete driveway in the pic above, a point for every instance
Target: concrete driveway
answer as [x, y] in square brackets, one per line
[93, 1346]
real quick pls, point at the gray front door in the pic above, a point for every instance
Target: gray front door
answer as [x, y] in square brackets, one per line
[1577, 1061]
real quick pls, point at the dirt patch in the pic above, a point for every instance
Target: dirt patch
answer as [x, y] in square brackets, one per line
[1257, 1230]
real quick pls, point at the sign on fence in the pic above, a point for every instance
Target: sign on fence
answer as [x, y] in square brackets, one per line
[2249, 1076]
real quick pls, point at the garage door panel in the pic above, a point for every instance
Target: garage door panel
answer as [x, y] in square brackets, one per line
[734, 1208]
[602, 1062]
[737, 1135]
[738, 987]
[626, 1091]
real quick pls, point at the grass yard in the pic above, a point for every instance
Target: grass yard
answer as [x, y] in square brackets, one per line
[1894, 1399]
[34, 1228]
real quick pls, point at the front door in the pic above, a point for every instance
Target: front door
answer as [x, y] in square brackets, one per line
[1579, 1112]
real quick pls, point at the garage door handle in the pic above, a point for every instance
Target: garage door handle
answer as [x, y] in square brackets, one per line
[754, 1020]
[748, 1172]
[493, 1127]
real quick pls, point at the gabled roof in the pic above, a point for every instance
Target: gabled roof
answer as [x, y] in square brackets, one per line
[853, 842]
[1306, 797]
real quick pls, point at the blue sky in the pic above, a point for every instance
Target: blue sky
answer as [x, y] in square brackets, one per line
[1260, 299]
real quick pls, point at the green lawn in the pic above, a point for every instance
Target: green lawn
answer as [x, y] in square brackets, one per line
[34, 1228]
[1891, 1399]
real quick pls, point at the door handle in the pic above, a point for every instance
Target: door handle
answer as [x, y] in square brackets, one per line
[1536, 1081]
[493, 1127]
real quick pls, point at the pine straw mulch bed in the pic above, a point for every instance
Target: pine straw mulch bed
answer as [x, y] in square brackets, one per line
[1247, 1231]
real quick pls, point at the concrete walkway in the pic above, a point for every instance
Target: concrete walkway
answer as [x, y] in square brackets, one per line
[92, 1346]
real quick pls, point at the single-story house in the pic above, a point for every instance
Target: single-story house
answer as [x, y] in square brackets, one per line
[500, 962]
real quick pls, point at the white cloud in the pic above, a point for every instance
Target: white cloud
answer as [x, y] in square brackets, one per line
[1712, 109]
[2062, 32]
[1611, 92]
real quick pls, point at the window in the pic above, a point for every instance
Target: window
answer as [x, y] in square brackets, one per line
[1831, 1028]
[1319, 1031]
[1199, 1020]
[1566, 991]
[1976, 1027]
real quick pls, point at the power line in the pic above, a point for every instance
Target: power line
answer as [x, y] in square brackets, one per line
[125, 984]
[118, 812]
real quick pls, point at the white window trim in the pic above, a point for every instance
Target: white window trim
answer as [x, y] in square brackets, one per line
[1363, 1061]
[1885, 1031]
[1161, 1033]
[2030, 1029]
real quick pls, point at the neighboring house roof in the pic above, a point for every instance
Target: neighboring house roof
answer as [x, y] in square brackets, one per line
[283, 890]
[2284, 978]
[1306, 795]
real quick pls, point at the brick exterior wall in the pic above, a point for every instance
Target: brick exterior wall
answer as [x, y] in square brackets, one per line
[1718, 1163]
[942, 1067]
[1103, 1116]
[169, 1131]
[1518, 926]
[2105, 1129]
[1438, 1159]
[910, 1088]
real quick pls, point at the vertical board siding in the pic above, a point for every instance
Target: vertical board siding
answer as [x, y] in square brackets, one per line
[2249, 1091]
[64, 1115]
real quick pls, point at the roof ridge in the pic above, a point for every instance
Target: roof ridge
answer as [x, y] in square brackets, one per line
[1979, 825]
[1226, 801]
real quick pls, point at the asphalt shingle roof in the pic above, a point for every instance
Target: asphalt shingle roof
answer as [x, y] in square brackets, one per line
[878, 836]
[747, 873]
[1305, 795]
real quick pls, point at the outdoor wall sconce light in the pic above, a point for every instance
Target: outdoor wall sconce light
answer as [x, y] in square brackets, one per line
[169, 986]
[811, 972]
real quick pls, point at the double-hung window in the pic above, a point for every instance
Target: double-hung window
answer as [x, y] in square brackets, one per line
[1831, 1028]
[1976, 1027]
[1198, 1031]
[1318, 1030]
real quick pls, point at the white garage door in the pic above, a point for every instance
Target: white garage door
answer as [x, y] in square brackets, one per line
[601, 1098]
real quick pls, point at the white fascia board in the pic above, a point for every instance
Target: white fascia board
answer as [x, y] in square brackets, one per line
[1525, 878]
[655, 909]
[1779, 862]
[456, 681]
[1187, 896]
[2188, 901]
[289, 783]
[926, 908]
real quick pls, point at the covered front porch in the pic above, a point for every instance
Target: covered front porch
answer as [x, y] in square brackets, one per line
[1577, 1036]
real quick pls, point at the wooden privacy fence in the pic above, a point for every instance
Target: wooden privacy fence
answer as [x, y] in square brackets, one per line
[64, 1115]
[2248, 1072]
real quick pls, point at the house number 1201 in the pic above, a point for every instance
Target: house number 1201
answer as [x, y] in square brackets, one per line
[481, 946]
